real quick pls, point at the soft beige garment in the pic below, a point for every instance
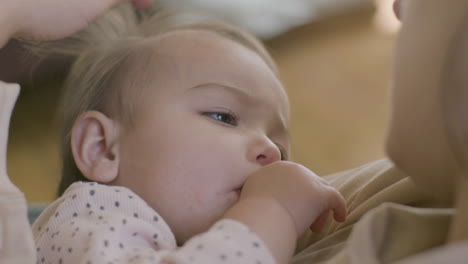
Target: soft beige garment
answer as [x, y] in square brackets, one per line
[386, 232]
[392, 233]
[95, 223]
[16, 243]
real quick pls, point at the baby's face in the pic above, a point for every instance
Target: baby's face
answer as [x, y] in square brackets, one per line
[212, 113]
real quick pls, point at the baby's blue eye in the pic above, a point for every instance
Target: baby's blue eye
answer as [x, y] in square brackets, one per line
[227, 118]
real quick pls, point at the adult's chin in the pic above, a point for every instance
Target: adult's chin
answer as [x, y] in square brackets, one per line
[397, 4]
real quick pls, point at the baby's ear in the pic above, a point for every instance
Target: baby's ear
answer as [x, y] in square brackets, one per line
[94, 144]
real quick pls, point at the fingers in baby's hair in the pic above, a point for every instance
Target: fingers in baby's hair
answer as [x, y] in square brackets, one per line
[142, 4]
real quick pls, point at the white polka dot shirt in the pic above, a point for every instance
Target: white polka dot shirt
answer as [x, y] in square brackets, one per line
[93, 223]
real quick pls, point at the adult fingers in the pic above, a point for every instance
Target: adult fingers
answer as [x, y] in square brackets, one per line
[142, 4]
[139, 4]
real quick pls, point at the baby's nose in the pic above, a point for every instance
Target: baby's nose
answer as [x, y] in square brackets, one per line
[265, 152]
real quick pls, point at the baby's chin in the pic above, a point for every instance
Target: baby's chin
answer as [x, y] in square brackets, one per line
[203, 224]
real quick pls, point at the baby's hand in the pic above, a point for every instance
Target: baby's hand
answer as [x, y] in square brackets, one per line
[304, 195]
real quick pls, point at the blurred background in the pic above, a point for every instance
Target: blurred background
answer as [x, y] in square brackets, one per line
[335, 60]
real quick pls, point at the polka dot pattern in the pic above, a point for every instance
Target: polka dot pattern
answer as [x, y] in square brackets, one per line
[94, 223]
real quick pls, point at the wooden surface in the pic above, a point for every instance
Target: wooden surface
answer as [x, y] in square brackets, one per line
[338, 77]
[337, 74]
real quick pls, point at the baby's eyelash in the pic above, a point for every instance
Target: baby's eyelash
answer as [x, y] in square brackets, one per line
[228, 117]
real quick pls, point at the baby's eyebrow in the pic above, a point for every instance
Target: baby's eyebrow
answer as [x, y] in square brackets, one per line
[241, 94]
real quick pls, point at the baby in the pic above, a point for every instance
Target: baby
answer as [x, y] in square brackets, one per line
[175, 144]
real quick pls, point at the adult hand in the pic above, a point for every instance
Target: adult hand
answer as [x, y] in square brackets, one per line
[53, 19]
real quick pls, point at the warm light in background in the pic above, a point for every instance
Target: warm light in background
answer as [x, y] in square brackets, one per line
[385, 19]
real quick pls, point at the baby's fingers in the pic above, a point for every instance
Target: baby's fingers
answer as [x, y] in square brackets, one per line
[320, 223]
[338, 205]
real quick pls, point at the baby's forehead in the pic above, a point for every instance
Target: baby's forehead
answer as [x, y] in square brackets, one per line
[186, 44]
[178, 60]
[202, 55]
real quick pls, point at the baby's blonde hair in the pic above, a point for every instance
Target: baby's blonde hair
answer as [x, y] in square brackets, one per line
[104, 54]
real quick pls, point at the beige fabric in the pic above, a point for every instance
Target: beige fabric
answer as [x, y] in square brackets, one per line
[388, 231]
[391, 233]
[16, 243]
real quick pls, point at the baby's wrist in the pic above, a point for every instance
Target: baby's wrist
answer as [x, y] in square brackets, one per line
[270, 221]
[258, 207]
